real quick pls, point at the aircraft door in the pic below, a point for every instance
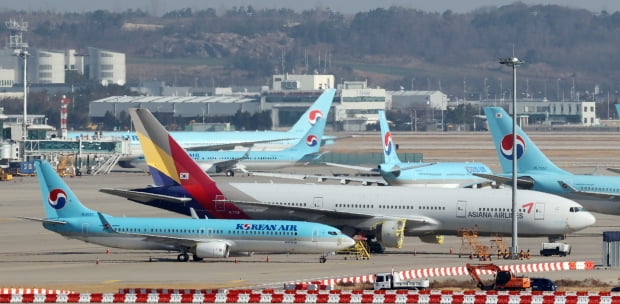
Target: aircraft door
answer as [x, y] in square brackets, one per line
[85, 229]
[315, 235]
[539, 211]
[220, 203]
[317, 202]
[461, 208]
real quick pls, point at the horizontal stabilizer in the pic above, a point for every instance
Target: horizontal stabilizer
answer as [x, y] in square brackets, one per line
[43, 220]
[145, 197]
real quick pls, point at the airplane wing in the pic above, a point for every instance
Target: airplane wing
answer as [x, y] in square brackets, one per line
[43, 220]
[601, 195]
[365, 180]
[506, 180]
[367, 169]
[145, 197]
[359, 168]
[320, 212]
[230, 146]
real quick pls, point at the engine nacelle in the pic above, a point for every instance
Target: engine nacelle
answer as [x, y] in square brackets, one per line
[212, 250]
[432, 238]
[526, 186]
[394, 171]
[391, 233]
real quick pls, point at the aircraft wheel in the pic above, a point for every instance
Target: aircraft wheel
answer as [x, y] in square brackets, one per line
[322, 259]
[195, 258]
[230, 173]
[183, 257]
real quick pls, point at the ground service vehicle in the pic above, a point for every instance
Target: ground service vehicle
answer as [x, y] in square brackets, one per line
[388, 280]
[561, 249]
[504, 279]
[543, 284]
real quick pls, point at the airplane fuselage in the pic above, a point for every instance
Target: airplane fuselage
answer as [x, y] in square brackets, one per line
[238, 235]
[426, 210]
[445, 175]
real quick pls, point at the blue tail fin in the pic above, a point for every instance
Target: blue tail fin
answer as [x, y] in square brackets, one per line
[310, 142]
[58, 200]
[529, 157]
[389, 148]
[318, 109]
[618, 110]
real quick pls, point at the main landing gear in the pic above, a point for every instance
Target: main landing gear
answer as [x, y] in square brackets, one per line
[183, 257]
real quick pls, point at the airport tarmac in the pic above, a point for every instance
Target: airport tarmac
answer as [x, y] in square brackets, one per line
[31, 256]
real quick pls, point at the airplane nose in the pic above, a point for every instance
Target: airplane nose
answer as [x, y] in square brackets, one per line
[583, 220]
[346, 242]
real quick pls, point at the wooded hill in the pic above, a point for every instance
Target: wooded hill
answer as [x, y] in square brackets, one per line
[391, 48]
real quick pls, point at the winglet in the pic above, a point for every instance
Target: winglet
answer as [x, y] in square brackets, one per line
[568, 187]
[105, 224]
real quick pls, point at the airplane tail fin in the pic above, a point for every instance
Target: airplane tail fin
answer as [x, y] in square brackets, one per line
[172, 166]
[618, 109]
[169, 163]
[310, 142]
[319, 109]
[389, 148]
[529, 157]
[58, 200]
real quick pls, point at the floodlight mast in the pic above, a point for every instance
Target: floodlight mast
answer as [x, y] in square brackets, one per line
[514, 62]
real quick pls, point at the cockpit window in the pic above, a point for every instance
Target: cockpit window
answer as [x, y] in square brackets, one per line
[577, 209]
[332, 233]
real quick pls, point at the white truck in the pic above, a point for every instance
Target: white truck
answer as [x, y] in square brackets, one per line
[387, 280]
[561, 249]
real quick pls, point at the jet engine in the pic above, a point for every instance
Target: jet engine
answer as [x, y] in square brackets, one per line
[391, 233]
[394, 171]
[212, 250]
[527, 184]
[432, 238]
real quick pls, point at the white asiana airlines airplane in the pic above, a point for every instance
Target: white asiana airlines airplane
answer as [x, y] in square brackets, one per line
[204, 238]
[390, 213]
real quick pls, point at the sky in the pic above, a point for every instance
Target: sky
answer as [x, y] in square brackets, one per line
[343, 6]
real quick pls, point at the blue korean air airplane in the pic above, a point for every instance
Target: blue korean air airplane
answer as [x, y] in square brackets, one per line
[265, 140]
[305, 150]
[398, 173]
[203, 238]
[537, 172]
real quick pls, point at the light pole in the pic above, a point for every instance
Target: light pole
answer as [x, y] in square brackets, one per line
[24, 55]
[514, 62]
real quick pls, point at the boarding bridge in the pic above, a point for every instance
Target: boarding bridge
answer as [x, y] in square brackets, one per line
[86, 156]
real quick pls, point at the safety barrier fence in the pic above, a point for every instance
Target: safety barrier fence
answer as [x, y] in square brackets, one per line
[465, 297]
[462, 271]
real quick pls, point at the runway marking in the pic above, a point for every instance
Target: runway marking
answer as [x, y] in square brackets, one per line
[111, 281]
